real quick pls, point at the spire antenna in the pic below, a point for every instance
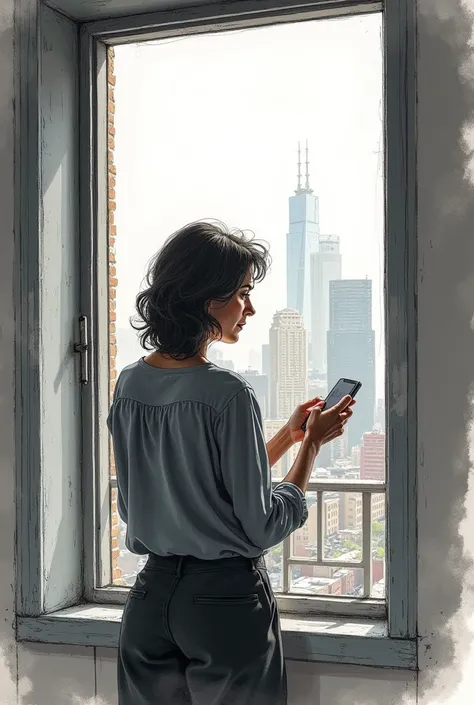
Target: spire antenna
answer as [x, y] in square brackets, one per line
[299, 167]
[307, 167]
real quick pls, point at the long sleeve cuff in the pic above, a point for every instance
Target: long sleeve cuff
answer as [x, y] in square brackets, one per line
[294, 493]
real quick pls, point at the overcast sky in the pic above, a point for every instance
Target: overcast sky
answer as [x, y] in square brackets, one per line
[207, 127]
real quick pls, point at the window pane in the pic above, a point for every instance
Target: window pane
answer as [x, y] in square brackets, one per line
[378, 546]
[288, 144]
[342, 529]
[304, 541]
[321, 580]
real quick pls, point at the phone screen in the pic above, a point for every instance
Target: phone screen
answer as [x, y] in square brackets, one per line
[340, 389]
[343, 387]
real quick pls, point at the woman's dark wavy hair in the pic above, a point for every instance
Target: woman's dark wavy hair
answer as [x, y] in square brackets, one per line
[202, 262]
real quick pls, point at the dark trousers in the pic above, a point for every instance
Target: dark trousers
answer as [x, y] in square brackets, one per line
[201, 633]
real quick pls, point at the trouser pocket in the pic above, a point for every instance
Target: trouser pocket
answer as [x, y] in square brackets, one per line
[226, 599]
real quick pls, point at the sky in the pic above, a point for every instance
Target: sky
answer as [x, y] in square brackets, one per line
[208, 127]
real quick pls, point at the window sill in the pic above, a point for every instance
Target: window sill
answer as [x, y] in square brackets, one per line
[361, 642]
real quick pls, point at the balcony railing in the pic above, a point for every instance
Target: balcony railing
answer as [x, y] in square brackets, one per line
[292, 602]
[322, 487]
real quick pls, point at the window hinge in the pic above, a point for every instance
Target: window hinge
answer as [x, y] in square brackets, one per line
[82, 349]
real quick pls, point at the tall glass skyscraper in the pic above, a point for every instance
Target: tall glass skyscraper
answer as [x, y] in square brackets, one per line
[301, 242]
[325, 267]
[351, 348]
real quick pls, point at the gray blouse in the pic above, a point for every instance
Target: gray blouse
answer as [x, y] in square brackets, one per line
[192, 467]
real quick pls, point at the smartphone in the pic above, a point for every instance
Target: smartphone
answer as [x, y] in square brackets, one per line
[342, 388]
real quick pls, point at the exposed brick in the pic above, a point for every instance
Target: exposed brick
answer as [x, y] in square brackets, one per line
[112, 232]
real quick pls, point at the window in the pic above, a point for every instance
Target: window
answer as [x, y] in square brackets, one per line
[337, 564]
[302, 136]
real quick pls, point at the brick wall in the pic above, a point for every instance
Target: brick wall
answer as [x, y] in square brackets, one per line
[112, 233]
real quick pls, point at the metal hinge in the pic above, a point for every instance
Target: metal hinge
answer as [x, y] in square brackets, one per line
[82, 349]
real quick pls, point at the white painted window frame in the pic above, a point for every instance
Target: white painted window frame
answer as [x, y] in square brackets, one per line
[394, 644]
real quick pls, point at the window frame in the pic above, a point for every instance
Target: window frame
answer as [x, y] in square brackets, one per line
[400, 305]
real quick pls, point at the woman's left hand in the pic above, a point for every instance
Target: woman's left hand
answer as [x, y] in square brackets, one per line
[299, 416]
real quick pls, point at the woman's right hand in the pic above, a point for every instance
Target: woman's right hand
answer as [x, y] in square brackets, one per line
[324, 426]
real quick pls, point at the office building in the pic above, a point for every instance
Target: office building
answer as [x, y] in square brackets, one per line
[325, 267]
[351, 348]
[266, 360]
[288, 363]
[372, 456]
[351, 509]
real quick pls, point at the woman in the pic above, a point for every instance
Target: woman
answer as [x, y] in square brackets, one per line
[200, 625]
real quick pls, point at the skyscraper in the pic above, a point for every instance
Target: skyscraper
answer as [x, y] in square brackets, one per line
[301, 242]
[266, 360]
[372, 456]
[288, 363]
[325, 267]
[351, 348]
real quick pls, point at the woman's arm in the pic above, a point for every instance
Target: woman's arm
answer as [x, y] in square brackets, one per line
[279, 445]
[267, 516]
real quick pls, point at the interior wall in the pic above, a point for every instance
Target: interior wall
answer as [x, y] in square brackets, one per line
[445, 348]
[52, 674]
[8, 665]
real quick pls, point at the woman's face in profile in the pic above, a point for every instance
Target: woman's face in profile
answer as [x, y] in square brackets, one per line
[232, 316]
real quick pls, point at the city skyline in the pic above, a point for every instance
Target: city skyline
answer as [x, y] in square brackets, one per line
[200, 139]
[243, 170]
